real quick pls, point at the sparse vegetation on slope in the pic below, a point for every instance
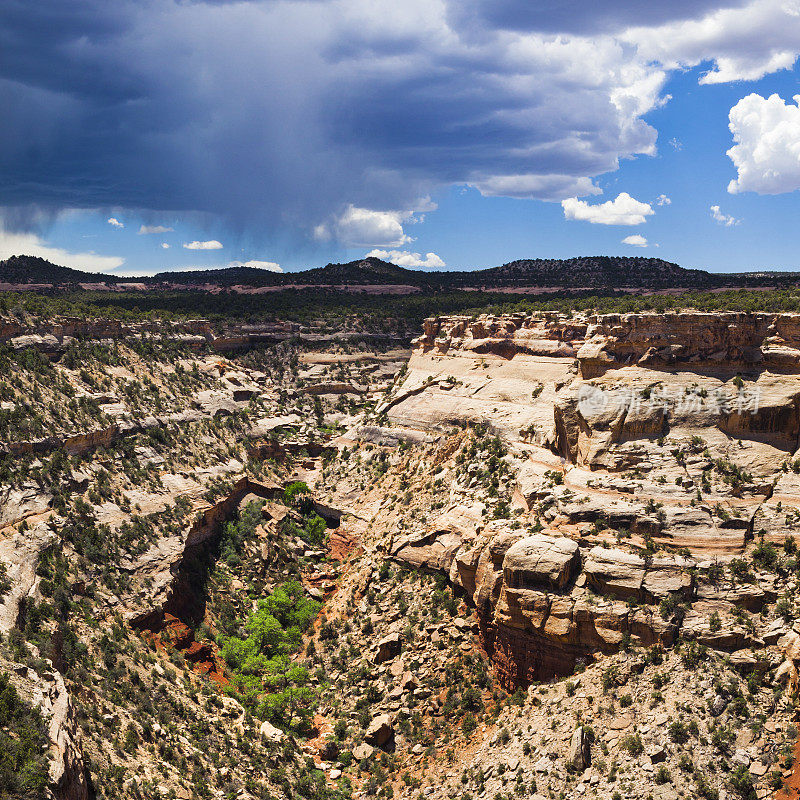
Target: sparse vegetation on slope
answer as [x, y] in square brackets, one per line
[23, 747]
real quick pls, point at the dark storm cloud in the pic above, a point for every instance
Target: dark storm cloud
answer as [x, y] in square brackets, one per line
[278, 115]
[579, 16]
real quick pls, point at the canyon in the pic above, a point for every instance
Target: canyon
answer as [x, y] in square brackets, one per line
[516, 513]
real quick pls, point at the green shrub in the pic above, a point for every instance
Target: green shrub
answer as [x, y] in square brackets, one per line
[609, 678]
[468, 724]
[693, 654]
[741, 783]
[678, 732]
[298, 495]
[633, 744]
[314, 529]
[765, 554]
[663, 775]
[783, 608]
[670, 606]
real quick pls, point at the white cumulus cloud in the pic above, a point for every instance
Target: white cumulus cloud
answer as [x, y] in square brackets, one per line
[663, 200]
[145, 229]
[623, 210]
[165, 245]
[403, 258]
[744, 44]
[364, 227]
[636, 240]
[271, 266]
[31, 245]
[213, 244]
[115, 223]
[723, 219]
[766, 153]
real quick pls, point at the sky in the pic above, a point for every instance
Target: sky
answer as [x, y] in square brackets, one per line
[148, 135]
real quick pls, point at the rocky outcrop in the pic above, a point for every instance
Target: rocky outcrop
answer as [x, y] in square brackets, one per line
[85, 441]
[505, 336]
[540, 562]
[632, 439]
[579, 755]
[387, 648]
[600, 342]
[626, 576]
[20, 555]
[19, 503]
[332, 387]
[591, 387]
[160, 568]
[731, 339]
[47, 692]
[53, 338]
[536, 618]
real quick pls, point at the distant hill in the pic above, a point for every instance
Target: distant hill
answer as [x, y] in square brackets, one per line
[365, 271]
[601, 273]
[32, 269]
[227, 276]
[597, 272]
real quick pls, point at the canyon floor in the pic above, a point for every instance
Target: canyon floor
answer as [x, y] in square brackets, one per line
[544, 556]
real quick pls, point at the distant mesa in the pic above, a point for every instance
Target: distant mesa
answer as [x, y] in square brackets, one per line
[598, 273]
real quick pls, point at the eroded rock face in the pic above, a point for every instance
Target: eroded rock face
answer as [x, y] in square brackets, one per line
[270, 732]
[604, 381]
[579, 755]
[600, 342]
[540, 562]
[640, 445]
[535, 619]
[20, 555]
[48, 693]
[387, 648]
[21, 503]
[624, 575]
[160, 566]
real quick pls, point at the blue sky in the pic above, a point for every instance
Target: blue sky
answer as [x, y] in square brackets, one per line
[437, 134]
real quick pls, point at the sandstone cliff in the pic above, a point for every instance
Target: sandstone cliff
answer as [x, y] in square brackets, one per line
[627, 436]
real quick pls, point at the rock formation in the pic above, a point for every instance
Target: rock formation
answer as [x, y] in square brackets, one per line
[47, 692]
[669, 432]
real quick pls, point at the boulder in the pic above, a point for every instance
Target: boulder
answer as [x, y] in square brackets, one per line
[746, 661]
[786, 674]
[362, 751]
[380, 731]
[657, 753]
[543, 765]
[579, 755]
[666, 576]
[387, 648]
[408, 682]
[432, 550]
[718, 705]
[270, 732]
